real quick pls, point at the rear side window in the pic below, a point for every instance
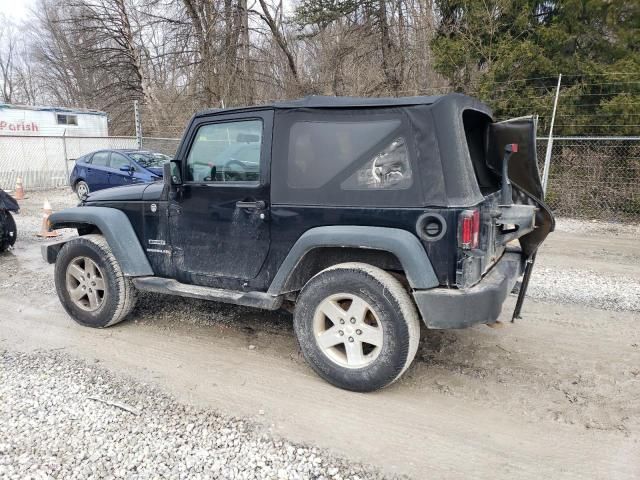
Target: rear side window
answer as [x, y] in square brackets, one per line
[343, 158]
[100, 159]
[318, 151]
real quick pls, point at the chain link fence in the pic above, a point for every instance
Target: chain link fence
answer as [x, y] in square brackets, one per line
[168, 146]
[45, 161]
[594, 177]
[590, 177]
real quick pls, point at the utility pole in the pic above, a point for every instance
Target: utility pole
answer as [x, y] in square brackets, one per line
[66, 157]
[138, 121]
[547, 157]
[545, 178]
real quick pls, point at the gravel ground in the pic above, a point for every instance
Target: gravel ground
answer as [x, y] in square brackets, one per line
[585, 287]
[29, 219]
[54, 422]
[62, 418]
[595, 227]
[579, 277]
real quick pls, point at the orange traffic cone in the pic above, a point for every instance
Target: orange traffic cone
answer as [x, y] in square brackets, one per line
[46, 231]
[19, 195]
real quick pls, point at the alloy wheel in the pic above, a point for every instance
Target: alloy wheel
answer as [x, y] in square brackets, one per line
[85, 284]
[82, 189]
[347, 330]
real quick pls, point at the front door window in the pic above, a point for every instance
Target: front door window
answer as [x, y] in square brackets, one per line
[226, 152]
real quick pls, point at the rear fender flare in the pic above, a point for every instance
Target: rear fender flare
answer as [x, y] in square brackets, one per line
[401, 243]
[117, 230]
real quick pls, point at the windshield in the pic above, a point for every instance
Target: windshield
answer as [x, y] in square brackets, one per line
[150, 159]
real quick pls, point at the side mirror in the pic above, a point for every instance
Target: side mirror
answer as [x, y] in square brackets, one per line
[171, 173]
[127, 168]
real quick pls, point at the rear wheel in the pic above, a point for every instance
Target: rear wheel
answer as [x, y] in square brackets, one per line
[82, 189]
[357, 326]
[8, 230]
[90, 283]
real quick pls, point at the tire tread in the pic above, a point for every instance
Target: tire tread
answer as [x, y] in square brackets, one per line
[126, 295]
[387, 286]
[401, 296]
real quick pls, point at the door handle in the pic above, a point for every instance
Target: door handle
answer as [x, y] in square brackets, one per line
[257, 205]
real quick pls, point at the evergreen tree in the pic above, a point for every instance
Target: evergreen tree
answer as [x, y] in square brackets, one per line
[482, 47]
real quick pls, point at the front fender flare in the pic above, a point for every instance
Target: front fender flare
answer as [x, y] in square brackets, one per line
[403, 244]
[117, 230]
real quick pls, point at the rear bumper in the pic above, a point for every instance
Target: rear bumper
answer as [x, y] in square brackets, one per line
[444, 308]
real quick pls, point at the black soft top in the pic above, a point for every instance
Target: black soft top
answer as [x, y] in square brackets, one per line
[453, 101]
[438, 141]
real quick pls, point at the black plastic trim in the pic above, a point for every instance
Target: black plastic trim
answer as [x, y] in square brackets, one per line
[422, 223]
[117, 230]
[402, 244]
[446, 308]
[173, 287]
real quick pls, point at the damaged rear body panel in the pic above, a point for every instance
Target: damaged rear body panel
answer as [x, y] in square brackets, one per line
[523, 174]
[503, 155]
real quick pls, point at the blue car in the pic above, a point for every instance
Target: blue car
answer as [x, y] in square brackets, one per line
[112, 168]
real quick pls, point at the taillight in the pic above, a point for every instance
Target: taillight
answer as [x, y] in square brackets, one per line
[469, 231]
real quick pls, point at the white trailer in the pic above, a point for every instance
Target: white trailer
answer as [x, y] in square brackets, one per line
[19, 120]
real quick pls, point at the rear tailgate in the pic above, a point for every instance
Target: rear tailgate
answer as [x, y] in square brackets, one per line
[523, 174]
[511, 210]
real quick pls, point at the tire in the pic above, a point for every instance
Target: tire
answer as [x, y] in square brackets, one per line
[74, 269]
[8, 230]
[81, 188]
[390, 321]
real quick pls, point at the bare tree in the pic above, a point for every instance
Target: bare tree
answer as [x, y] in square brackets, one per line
[175, 57]
[8, 45]
[275, 26]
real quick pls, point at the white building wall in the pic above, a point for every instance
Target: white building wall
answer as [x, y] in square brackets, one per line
[27, 121]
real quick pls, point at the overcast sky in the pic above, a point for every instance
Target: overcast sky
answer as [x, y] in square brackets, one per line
[16, 9]
[19, 9]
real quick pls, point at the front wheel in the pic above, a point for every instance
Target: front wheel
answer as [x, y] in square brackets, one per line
[82, 189]
[357, 326]
[90, 283]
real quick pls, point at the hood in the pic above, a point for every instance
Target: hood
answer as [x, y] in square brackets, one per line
[125, 193]
[7, 202]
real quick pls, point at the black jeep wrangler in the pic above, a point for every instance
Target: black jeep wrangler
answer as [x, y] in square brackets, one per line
[369, 214]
